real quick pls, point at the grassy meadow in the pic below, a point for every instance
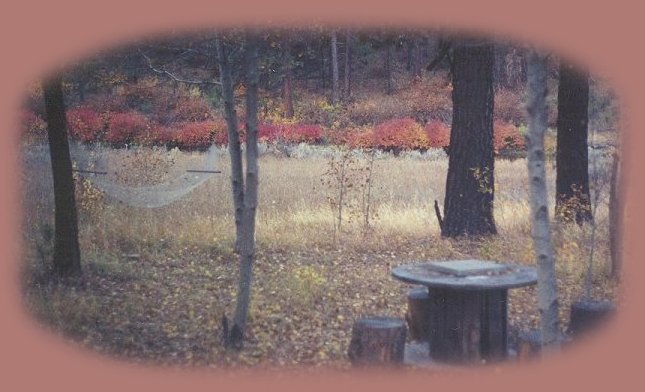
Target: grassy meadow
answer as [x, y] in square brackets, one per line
[312, 278]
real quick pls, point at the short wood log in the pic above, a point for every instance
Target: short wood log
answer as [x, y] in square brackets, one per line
[418, 314]
[529, 344]
[377, 341]
[588, 315]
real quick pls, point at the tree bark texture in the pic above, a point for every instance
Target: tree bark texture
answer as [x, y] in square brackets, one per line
[67, 255]
[545, 255]
[572, 158]
[334, 68]
[468, 206]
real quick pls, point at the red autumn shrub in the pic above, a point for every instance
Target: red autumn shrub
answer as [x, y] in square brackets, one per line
[302, 133]
[127, 128]
[84, 124]
[33, 126]
[438, 134]
[400, 134]
[269, 132]
[360, 138]
[507, 137]
[196, 135]
[164, 136]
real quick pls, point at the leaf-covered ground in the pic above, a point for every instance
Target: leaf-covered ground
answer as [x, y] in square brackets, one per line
[166, 309]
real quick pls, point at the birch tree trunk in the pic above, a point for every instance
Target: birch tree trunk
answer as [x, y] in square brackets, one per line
[237, 179]
[334, 68]
[67, 255]
[547, 285]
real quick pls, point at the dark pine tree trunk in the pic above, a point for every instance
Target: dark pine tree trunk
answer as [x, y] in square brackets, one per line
[67, 255]
[572, 158]
[468, 206]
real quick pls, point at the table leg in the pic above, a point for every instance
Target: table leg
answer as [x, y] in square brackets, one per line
[468, 325]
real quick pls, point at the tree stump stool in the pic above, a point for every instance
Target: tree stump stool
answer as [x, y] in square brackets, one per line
[418, 314]
[588, 315]
[377, 341]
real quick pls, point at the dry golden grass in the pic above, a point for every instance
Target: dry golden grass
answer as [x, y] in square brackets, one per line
[310, 284]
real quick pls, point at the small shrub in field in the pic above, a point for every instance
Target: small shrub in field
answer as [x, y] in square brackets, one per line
[84, 124]
[507, 137]
[400, 134]
[127, 128]
[438, 134]
[33, 126]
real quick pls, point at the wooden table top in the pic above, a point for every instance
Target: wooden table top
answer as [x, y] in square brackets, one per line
[427, 274]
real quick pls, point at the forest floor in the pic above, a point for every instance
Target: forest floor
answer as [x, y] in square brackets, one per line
[311, 280]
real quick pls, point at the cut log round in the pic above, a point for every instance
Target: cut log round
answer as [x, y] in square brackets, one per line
[377, 341]
[588, 315]
[418, 315]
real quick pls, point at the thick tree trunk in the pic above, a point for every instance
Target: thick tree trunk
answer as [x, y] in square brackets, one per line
[67, 255]
[547, 286]
[237, 179]
[468, 207]
[334, 68]
[572, 158]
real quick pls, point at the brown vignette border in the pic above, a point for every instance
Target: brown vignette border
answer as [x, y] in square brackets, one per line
[39, 37]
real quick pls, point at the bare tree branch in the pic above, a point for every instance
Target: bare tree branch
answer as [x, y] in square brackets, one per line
[162, 71]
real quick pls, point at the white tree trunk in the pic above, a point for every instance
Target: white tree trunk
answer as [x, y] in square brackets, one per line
[547, 285]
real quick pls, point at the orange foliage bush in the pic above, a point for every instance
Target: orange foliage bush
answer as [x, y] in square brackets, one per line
[507, 137]
[438, 134]
[400, 134]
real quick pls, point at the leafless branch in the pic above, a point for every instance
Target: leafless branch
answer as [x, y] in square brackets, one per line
[164, 72]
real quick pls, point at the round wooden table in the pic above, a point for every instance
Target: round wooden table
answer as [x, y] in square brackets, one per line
[468, 305]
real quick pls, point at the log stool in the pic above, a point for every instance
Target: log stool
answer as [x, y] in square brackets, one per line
[377, 340]
[587, 315]
[418, 314]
